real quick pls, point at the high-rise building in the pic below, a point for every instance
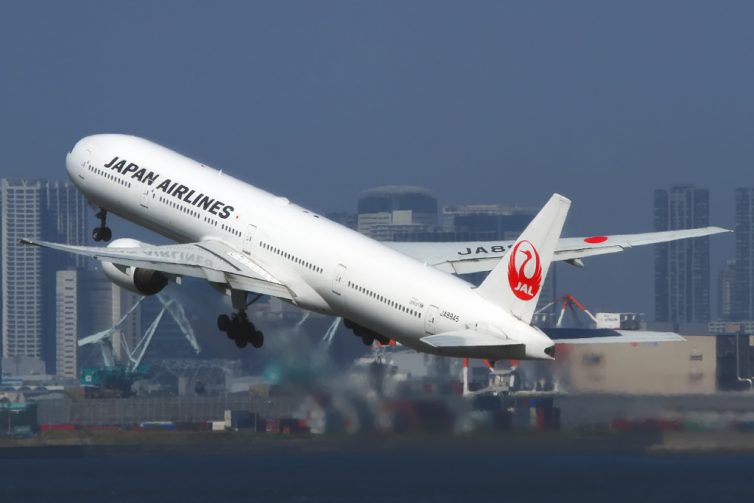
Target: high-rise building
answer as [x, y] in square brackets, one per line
[67, 323]
[743, 303]
[86, 303]
[36, 209]
[682, 268]
[487, 221]
[726, 309]
[66, 218]
[386, 210]
[21, 217]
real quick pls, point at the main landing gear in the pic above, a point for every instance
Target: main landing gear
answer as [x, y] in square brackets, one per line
[237, 326]
[103, 232]
[240, 330]
[367, 336]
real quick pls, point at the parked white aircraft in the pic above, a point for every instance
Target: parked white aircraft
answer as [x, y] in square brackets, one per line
[244, 241]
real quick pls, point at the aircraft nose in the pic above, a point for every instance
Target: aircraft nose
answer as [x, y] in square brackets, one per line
[77, 158]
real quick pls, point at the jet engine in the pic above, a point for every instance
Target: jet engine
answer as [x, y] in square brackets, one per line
[134, 279]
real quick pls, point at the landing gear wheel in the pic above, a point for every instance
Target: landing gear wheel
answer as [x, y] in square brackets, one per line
[240, 330]
[102, 234]
[257, 339]
[368, 340]
[223, 323]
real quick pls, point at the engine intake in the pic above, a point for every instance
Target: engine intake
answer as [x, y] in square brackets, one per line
[149, 282]
[134, 279]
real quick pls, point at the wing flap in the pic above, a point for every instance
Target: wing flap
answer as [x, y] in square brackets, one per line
[257, 286]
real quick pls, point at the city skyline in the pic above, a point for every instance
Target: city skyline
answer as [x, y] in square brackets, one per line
[678, 207]
[580, 280]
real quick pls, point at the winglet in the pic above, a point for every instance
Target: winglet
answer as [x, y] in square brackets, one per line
[516, 282]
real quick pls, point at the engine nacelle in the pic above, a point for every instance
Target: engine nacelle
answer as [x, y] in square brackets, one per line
[134, 279]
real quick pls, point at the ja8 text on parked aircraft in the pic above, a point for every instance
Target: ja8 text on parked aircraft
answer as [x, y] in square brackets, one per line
[249, 243]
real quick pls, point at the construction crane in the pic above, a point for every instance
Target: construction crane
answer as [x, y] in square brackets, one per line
[330, 333]
[568, 301]
[120, 377]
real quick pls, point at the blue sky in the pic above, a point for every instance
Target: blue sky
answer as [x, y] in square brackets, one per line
[479, 101]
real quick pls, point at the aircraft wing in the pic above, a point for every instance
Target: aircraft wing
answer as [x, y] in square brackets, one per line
[214, 261]
[483, 256]
[605, 336]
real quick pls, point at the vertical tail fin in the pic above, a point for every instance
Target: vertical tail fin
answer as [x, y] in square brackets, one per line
[516, 282]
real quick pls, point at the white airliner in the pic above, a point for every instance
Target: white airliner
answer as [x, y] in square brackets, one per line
[249, 243]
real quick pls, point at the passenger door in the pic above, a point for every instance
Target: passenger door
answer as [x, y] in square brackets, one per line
[248, 239]
[144, 199]
[430, 320]
[338, 279]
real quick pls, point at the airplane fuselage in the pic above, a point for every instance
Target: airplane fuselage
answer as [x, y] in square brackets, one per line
[329, 268]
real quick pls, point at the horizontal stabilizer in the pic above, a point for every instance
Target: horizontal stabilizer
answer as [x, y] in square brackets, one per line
[606, 336]
[473, 344]
[466, 338]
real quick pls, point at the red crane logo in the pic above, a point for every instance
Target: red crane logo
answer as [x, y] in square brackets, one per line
[525, 271]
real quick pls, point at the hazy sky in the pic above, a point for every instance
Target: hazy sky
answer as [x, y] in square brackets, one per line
[479, 101]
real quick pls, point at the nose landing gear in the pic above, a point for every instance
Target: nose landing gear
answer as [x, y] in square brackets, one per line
[103, 232]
